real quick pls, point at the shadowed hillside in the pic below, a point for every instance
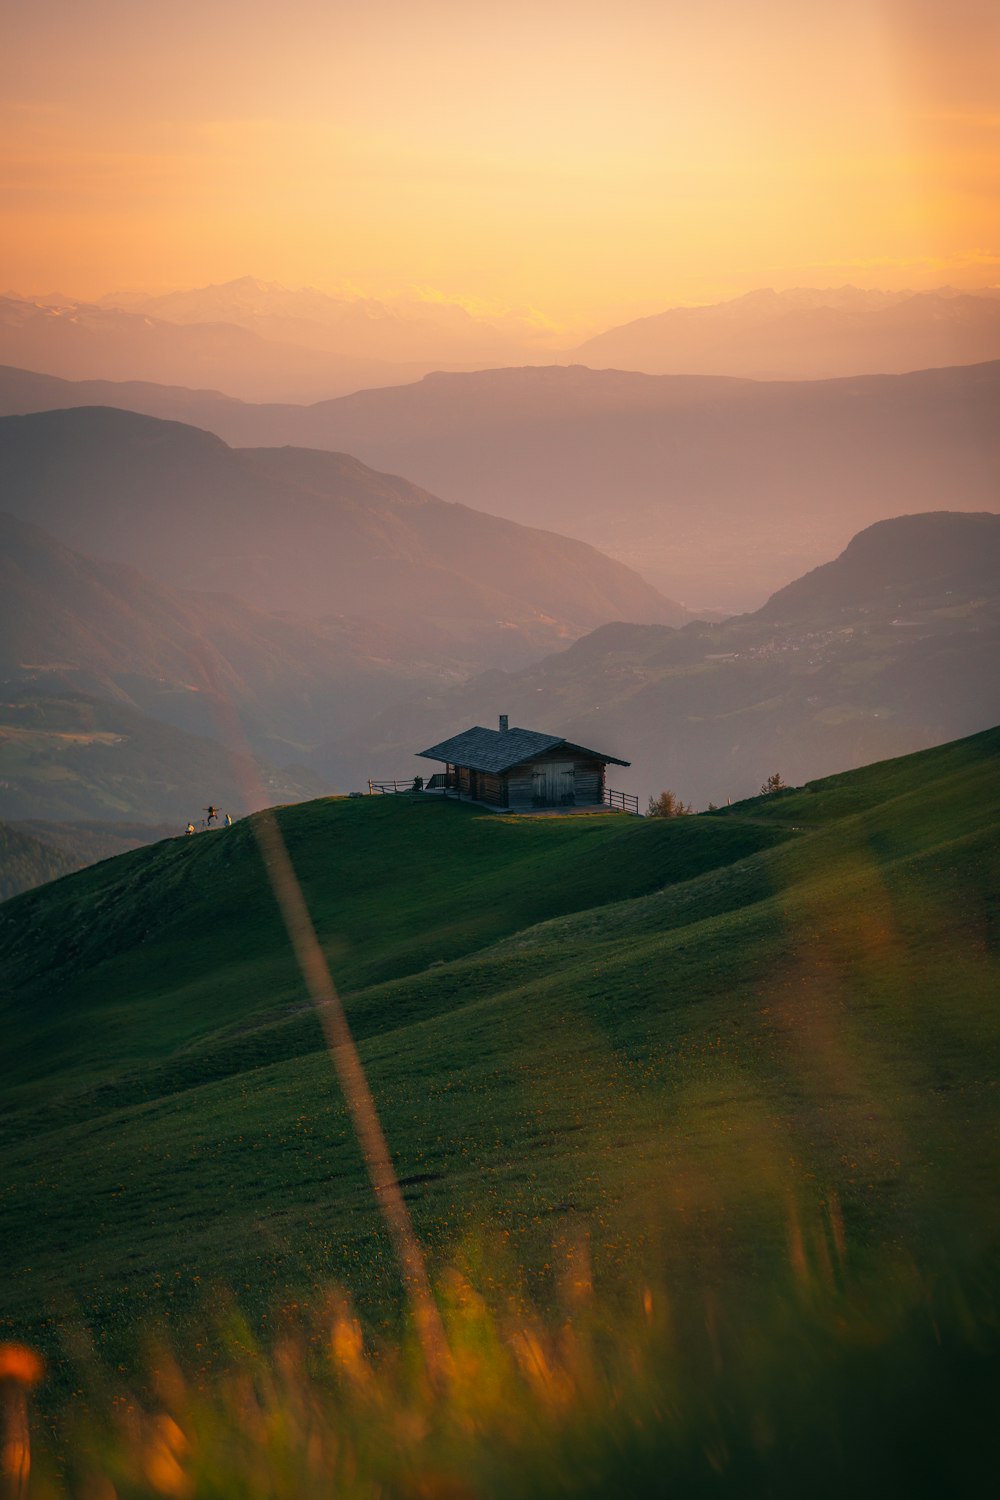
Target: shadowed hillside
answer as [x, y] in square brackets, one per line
[657, 1033]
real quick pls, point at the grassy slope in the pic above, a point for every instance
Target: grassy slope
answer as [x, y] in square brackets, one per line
[26, 861]
[787, 1017]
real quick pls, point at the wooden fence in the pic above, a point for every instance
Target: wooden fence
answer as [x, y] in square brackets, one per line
[621, 801]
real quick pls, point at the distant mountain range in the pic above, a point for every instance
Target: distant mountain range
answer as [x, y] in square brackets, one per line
[807, 334]
[263, 341]
[893, 647]
[127, 696]
[315, 533]
[409, 331]
[255, 339]
[128, 699]
[85, 341]
[719, 491]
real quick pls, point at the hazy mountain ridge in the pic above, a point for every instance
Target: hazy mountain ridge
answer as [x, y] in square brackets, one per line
[23, 392]
[255, 339]
[400, 330]
[316, 533]
[807, 333]
[936, 553]
[85, 341]
[263, 340]
[718, 490]
[851, 663]
[126, 697]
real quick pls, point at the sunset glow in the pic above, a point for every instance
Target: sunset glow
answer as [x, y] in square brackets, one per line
[585, 161]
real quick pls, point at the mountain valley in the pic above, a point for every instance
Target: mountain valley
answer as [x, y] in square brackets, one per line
[719, 491]
[892, 647]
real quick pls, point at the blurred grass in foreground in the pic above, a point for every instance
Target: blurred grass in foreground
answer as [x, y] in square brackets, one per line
[817, 1384]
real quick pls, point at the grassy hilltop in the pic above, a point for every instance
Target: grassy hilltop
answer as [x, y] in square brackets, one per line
[726, 1049]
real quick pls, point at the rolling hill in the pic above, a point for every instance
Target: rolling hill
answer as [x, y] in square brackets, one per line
[731, 1045]
[892, 647]
[313, 533]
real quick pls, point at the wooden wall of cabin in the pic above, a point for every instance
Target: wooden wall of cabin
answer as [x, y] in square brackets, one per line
[488, 788]
[588, 780]
[481, 786]
[492, 789]
[516, 788]
[520, 787]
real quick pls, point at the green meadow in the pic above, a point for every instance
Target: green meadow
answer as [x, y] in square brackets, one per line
[747, 1058]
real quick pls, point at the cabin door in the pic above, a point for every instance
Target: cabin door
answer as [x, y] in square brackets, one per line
[552, 783]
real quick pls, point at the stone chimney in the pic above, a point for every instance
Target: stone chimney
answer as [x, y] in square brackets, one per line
[504, 726]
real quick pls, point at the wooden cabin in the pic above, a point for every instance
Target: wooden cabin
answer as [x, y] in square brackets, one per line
[521, 769]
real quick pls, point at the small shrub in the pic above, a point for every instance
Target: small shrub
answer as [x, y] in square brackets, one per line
[667, 805]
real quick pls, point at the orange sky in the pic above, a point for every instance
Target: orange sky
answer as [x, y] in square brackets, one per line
[586, 159]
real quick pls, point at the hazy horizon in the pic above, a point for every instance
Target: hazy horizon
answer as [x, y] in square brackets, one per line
[569, 167]
[531, 323]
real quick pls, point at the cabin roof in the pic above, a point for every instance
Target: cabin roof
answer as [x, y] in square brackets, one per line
[498, 750]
